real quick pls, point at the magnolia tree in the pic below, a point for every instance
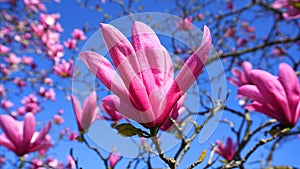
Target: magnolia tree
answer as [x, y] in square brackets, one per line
[176, 84]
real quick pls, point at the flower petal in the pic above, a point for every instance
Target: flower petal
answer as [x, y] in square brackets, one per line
[290, 83]
[105, 72]
[89, 110]
[41, 135]
[11, 129]
[28, 130]
[194, 65]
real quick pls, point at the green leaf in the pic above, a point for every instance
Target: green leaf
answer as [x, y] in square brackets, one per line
[128, 130]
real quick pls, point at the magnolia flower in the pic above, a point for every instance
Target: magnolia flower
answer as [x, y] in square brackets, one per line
[277, 97]
[4, 49]
[292, 8]
[70, 44]
[242, 76]
[185, 24]
[113, 159]
[78, 34]
[145, 85]
[20, 136]
[65, 69]
[226, 151]
[27, 60]
[6, 104]
[86, 114]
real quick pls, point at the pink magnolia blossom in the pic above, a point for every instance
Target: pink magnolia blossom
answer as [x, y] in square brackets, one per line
[49, 19]
[71, 163]
[35, 5]
[48, 81]
[241, 76]
[4, 49]
[6, 104]
[12, 59]
[70, 44]
[86, 114]
[19, 82]
[185, 24]
[292, 8]
[277, 97]
[58, 119]
[278, 51]
[27, 60]
[146, 87]
[230, 32]
[21, 137]
[227, 151]
[113, 159]
[78, 34]
[31, 105]
[49, 94]
[65, 69]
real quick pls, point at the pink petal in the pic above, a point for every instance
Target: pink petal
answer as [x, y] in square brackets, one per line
[280, 3]
[89, 110]
[194, 65]
[28, 130]
[152, 56]
[4, 141]
[256, 106]
[41, 135]
[290, 83]
[105, 72]
[77, 110]
[11, 129]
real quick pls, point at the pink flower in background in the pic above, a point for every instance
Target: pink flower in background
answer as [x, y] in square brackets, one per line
[48, 81]
[85, 114]
[113, 159]
[230, 32]
[230, 4]
[70, 44]
[185, 24]
[71, 163]
[4, 49]
[146, 87]
[241, 76]
[27, 60]
[12, 59]
[6, 104]
[277, 97]
[35, 5]
[292, 8]
[55, 50]
[227, 151]
[19, 82]
[64, 69]
[49, 94]
[49, 19]
[31, 105]
[58, 119]
[78, 34]
[278, 51]
[21, 137]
